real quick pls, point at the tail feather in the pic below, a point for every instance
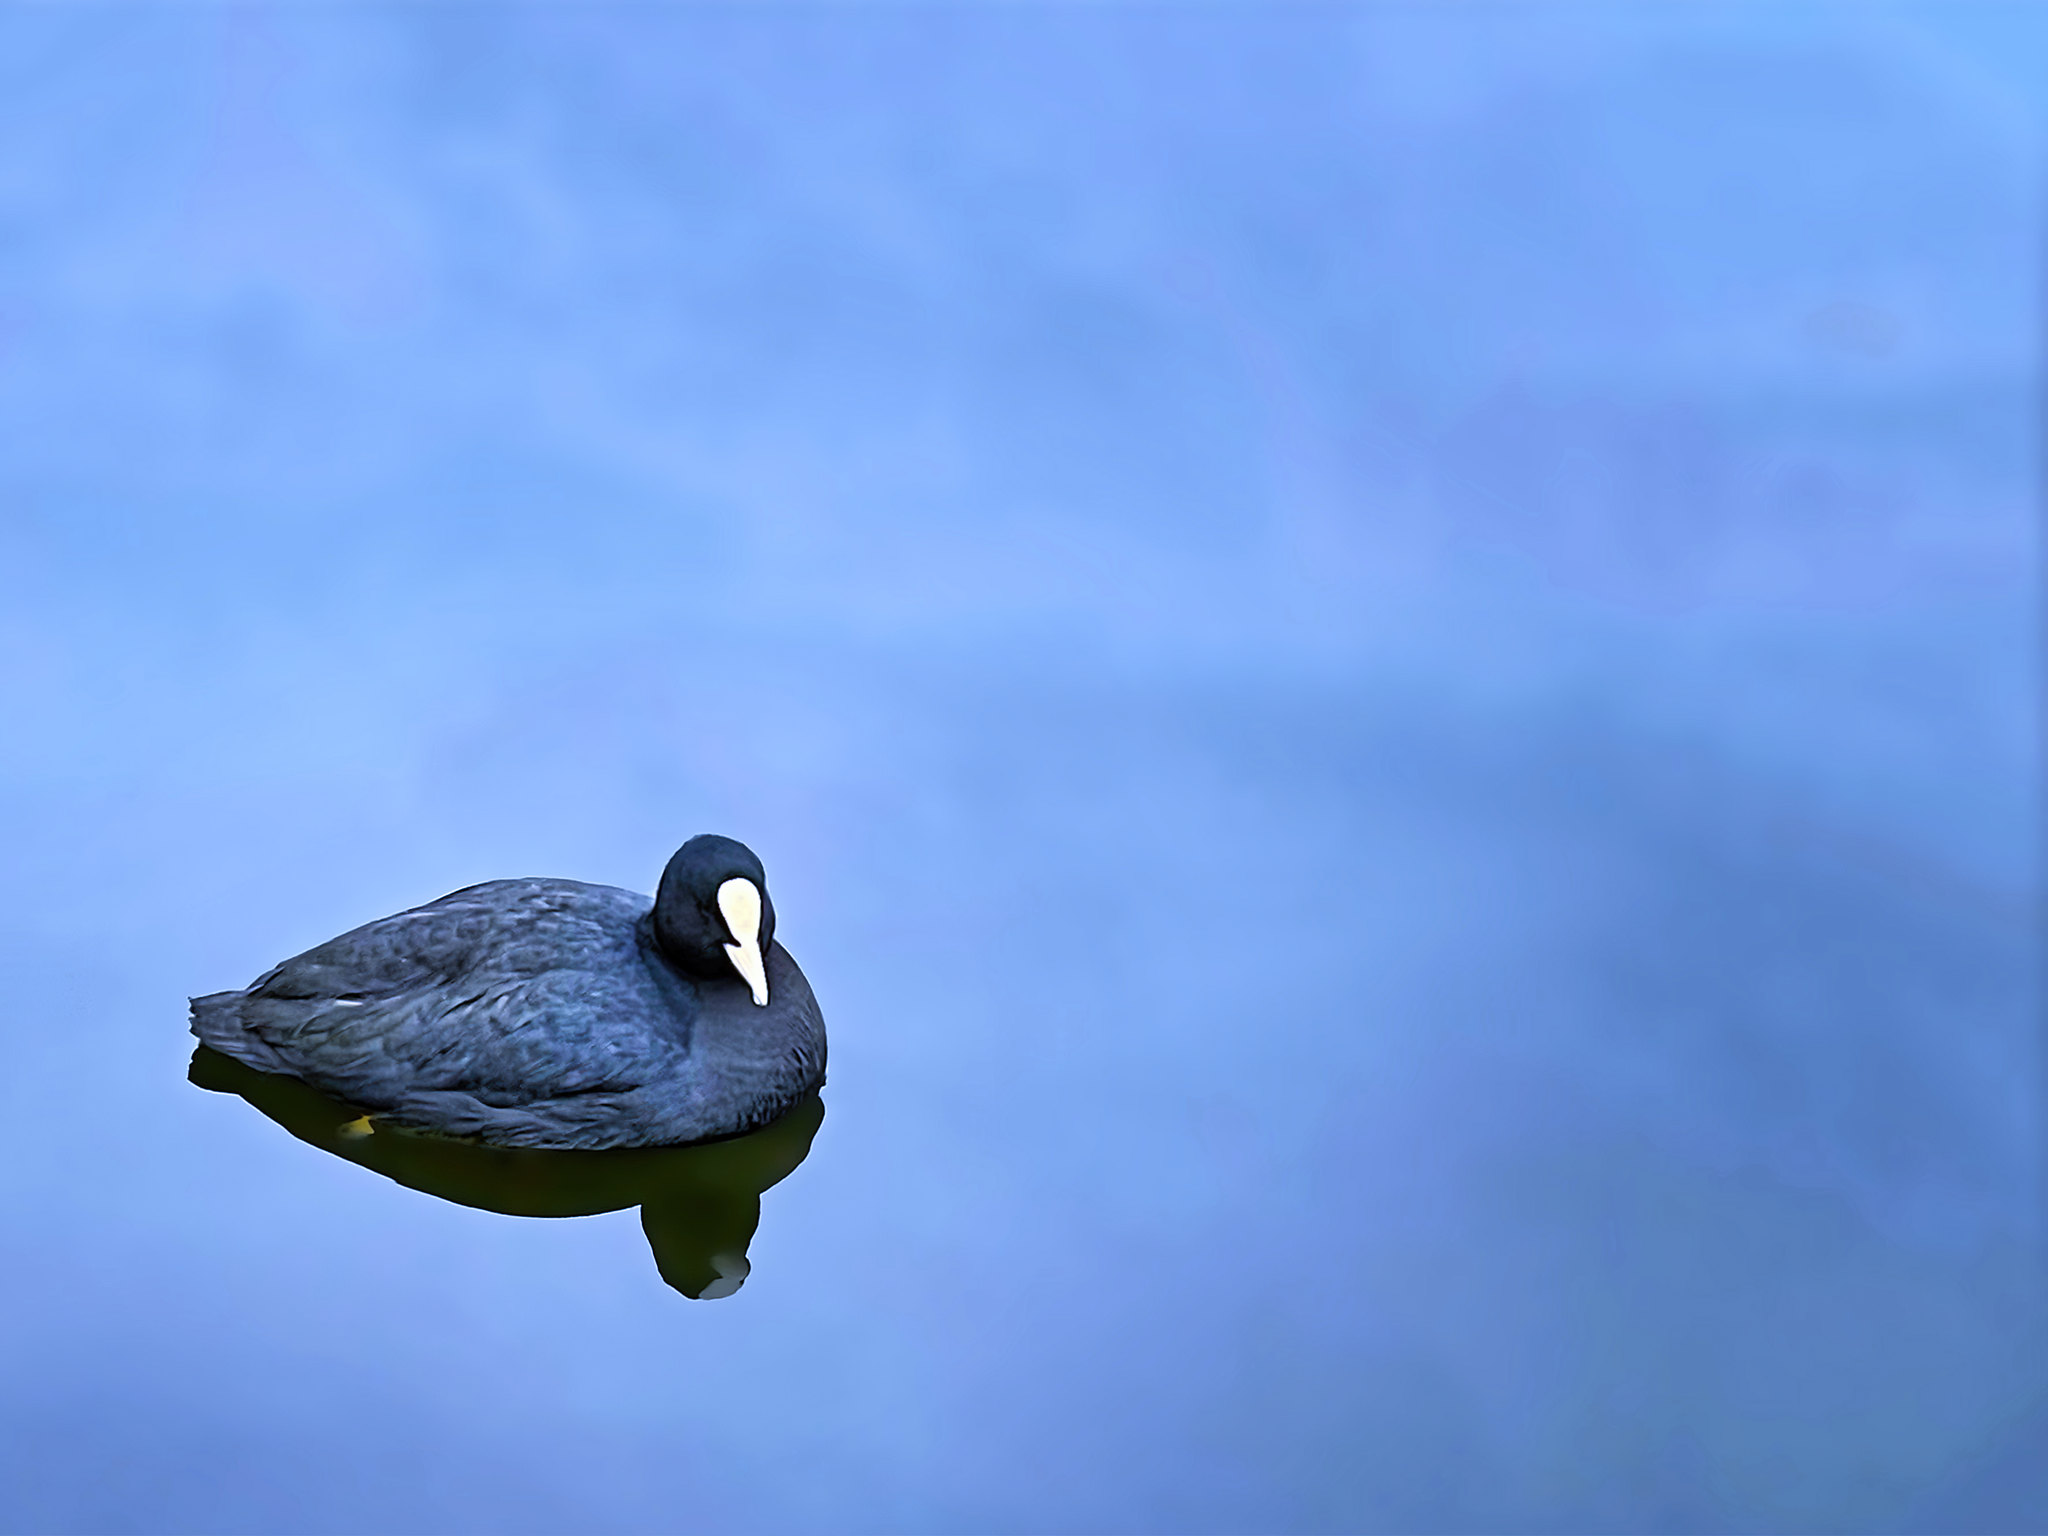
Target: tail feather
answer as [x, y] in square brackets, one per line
[217, 1020]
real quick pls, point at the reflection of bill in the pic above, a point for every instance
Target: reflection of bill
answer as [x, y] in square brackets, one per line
[699, 1205]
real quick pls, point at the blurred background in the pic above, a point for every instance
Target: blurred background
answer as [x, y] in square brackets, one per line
[1386, 660]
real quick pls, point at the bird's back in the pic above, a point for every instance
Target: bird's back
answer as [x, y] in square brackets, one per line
[524, 1011]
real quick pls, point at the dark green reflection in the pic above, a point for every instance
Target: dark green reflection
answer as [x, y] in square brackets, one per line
[699, 1205]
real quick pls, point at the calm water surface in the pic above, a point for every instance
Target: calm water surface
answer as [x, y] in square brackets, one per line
[1386, 664]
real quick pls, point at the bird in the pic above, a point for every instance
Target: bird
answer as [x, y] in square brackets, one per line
[548, 1013]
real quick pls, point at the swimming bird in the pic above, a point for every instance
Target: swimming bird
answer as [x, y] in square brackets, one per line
[549, 1013]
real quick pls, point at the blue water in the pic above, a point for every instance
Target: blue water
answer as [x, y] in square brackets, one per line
[1386, 662]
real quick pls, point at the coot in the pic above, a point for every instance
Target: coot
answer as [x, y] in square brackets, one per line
[549, 1013]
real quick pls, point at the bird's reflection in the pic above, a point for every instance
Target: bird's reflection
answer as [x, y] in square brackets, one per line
[699, 1205]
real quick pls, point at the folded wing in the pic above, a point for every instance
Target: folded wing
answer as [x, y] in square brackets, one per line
[499, 994]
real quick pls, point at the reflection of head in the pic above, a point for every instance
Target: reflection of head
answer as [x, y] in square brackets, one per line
[699, 1204]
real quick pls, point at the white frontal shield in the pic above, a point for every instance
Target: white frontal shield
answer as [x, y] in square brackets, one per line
[739, 903]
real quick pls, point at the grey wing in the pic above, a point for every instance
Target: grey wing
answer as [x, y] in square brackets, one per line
[494, 996]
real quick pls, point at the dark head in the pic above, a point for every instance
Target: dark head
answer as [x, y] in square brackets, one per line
[712, 916]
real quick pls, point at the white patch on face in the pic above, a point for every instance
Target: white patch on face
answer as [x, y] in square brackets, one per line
[739, 903]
